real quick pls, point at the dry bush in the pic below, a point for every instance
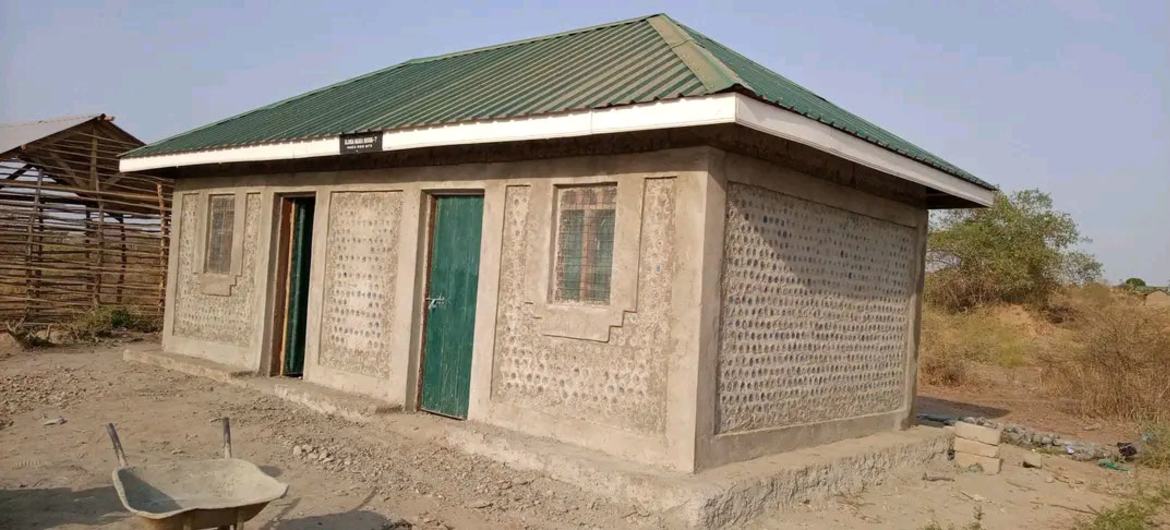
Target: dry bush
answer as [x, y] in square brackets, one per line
[943, 370]
[1155, 450]
[951, 342]
[1072, 302]
[105, 321]
[1116, 358]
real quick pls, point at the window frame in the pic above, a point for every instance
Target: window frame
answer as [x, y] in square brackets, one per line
[212, 282]
[209, 234]
[584, 321]
[588, 220]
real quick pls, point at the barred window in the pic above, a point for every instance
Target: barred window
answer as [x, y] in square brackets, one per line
[221, 213]
[584, 243]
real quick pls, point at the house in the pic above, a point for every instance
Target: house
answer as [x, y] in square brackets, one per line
[626, 237]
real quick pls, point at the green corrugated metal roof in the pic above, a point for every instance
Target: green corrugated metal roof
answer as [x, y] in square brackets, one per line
[632, 61]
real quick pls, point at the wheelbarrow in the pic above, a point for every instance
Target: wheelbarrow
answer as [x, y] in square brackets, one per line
[188, 495]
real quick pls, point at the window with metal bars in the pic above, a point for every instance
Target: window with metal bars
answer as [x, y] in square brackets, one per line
[221, 219]
[584, 243]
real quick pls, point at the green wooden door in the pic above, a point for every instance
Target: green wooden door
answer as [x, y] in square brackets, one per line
[450, 305]
[300, 256]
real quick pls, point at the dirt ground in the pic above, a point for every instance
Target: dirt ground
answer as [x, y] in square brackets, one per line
[1010, 396]
[356, 476]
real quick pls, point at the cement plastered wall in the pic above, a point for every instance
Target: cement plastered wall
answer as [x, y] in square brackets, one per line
[358, 335]
[214, 316]
[358, 332]
[618, 377]
[642, 377]
[619, 380]
[816, 314]
[815, 336]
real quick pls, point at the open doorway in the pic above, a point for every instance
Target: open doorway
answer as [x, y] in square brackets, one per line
[294, 261]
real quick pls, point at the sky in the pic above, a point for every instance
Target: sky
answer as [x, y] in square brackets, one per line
[1068, 96]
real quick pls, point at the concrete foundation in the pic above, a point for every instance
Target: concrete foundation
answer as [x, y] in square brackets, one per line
[321, 399]
[728, 496]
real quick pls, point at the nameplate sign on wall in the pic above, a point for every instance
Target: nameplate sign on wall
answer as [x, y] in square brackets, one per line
[360, 142]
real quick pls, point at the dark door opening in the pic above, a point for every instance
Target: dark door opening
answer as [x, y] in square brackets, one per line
[295, 252]
[452, 285]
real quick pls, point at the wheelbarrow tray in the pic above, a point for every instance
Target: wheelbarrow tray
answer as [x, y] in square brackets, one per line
[196, 493]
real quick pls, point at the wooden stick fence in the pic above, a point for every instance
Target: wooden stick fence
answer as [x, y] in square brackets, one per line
[75, 234]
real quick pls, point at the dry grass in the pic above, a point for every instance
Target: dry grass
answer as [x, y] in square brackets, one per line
[975, 524]
[105, 321]
[1155, 449]
[1116, 359]
[1144, 510]
[90, 326]
[1099, 348]
[952, 342]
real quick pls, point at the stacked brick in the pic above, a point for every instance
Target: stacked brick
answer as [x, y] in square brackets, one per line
[977, 445]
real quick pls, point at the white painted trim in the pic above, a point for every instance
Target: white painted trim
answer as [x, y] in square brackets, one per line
[792, 126]
[685, 112]
[675, 113]
[253, 153]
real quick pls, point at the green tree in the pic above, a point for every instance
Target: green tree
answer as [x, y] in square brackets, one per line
[1018, 250]
[1133, 283]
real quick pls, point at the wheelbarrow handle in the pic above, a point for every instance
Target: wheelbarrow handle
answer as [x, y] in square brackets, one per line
[227, 437]
[117, 444]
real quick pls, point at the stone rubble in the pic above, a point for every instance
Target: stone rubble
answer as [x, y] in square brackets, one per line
[1048, 442]
[1033, 460]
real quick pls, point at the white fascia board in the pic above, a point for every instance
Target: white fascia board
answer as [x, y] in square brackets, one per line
[253, 153]
[685, 112]
[781, 123]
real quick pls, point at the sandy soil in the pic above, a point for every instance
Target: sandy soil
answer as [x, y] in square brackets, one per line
[57, 475]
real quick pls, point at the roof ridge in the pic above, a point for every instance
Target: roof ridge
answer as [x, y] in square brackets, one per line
[715, 75]
[760, 65]
[419, 60]
[84, 117]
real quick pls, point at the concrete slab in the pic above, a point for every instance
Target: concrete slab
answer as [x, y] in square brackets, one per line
[963, 445]
[726, 496]
[182, 363]
[325, 400]
[978, 433]
[316, 397]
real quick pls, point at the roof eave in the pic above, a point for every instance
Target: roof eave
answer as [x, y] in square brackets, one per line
[729, 107]
[776, 121]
